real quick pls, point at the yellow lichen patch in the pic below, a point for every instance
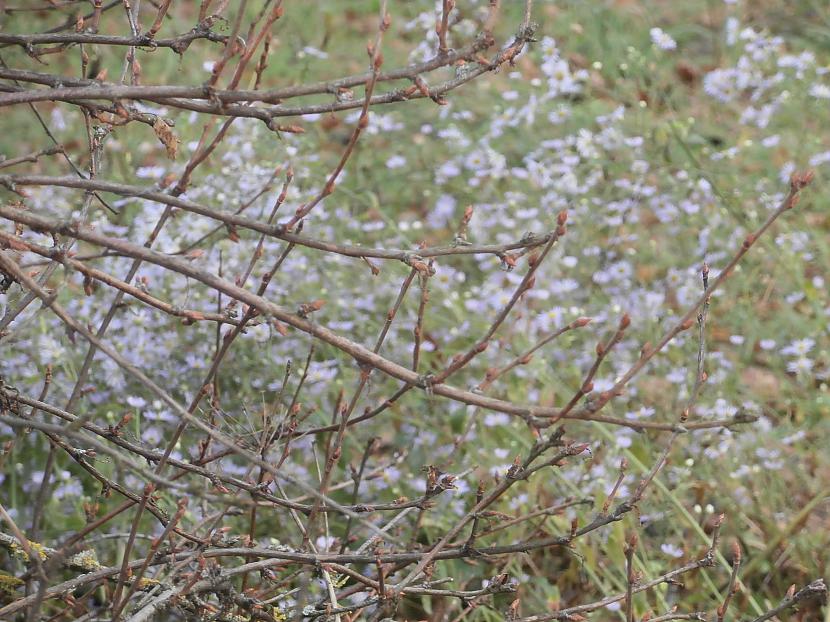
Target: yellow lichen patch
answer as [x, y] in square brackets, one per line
[8, 584]
[18, 552]
[39, 549]
[87, 560]
[146, 583]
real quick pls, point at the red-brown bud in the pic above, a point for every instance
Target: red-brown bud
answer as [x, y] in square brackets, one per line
[800, 180]
[422, 86]
[736, 553]
[577, 449]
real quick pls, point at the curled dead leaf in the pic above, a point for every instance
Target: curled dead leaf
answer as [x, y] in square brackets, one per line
[165, 134]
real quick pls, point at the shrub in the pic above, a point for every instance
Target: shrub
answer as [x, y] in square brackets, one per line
[489, 327]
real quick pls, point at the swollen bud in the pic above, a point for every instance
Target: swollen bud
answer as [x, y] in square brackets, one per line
[509, 261]
[625, 321]
[575, 450]
[799, 180]
[736, 553]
